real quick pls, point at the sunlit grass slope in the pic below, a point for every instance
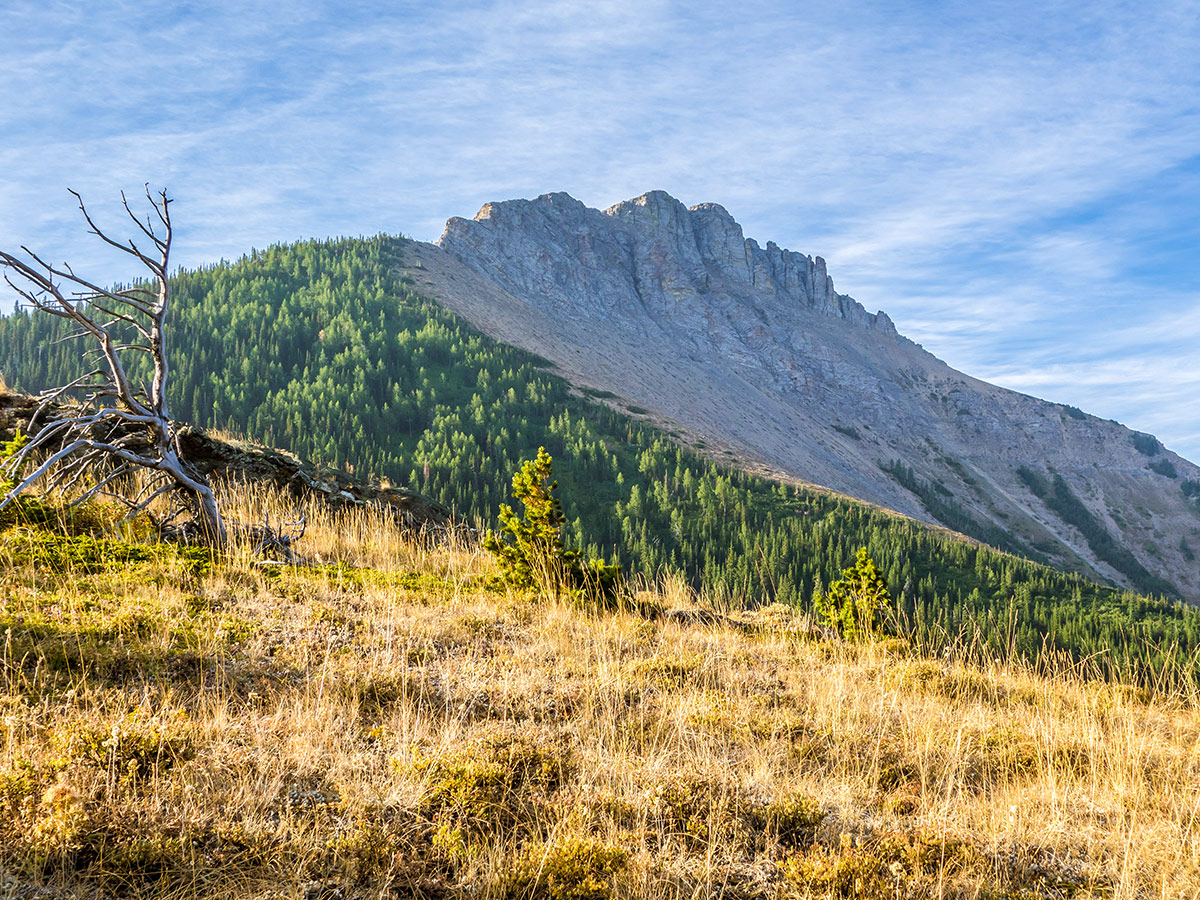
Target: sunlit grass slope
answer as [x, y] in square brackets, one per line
[386, 724]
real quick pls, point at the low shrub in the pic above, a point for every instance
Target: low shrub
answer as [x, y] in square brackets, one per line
[792, 820]
[573, 869]
[493, 784]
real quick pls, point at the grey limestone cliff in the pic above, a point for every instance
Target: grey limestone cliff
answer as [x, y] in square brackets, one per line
[650, 252]
[752, 351]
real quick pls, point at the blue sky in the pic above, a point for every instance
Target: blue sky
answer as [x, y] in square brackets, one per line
[1016, 184]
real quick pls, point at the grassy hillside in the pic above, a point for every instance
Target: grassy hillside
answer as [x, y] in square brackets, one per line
[384, 724]
[323, 348]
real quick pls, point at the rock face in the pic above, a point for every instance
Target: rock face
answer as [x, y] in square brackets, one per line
[751, 350]
[650, 252]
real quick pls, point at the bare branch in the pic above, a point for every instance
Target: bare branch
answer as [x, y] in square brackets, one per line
[129, 320]
[42, 438]
[44, 468]
[158, 478]
[54, 393]
[28, 297]
[161, 210]
[130, 248]
[137, 305]
[145, 504]
[94, 290]
[73, 336]
[149, 232]
[70, 474]
[119, 424]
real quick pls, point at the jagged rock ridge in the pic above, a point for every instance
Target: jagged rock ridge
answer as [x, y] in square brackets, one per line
[752, 351]
[701, 249]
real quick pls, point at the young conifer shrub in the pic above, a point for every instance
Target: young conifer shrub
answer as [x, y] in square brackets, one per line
[21, 510]
[853, 603]
[529, 546]
[10, 448]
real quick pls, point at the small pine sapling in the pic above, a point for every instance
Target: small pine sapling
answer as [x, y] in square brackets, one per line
[17, 512]
[529, 547]
[9, 449]
[853, 604]
[534, 547]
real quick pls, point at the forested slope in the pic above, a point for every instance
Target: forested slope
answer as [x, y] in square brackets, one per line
[321, 347]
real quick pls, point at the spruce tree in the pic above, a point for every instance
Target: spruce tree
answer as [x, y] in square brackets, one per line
[530, 549]
[853, 603]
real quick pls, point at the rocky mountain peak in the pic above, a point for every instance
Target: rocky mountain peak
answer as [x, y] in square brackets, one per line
[648, 252]
[751, 348]
[656, 209]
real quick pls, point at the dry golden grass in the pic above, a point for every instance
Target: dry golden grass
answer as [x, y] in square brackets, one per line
[386, 724]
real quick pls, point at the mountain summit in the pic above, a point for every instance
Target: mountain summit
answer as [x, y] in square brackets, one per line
[651, 252]
[751, 352]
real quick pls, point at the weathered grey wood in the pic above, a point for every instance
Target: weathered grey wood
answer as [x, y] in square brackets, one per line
[107, 397]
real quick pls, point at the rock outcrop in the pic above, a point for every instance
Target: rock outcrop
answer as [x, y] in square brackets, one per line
[651, 252]
[751, 351]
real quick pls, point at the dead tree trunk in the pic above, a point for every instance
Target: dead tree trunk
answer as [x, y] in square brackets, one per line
[116, 428]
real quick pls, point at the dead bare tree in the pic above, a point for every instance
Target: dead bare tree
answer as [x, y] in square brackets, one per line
[114, 428]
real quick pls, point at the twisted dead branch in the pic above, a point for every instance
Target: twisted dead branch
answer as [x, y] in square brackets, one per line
[115, 427]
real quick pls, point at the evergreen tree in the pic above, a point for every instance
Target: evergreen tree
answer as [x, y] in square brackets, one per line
[530, 547]
[854, 602]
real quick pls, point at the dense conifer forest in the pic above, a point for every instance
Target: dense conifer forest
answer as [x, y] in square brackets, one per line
[324, 349]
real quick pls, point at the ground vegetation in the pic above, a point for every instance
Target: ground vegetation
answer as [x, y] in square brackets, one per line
[177, 722]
